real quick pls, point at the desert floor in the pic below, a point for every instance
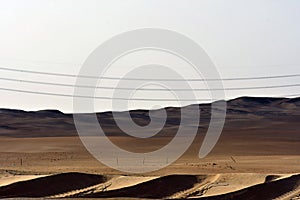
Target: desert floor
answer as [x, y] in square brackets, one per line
[235, 164]
[232, 155]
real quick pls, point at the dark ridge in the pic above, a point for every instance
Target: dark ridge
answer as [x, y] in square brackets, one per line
[294, 100]
[255, 100]
[7, 110]
[53, 112]
[50, 185]
[245, 99]
[50, 113]
[11, 111]
[251, 110]
[264, 191]
[40, 113]
[156, 189]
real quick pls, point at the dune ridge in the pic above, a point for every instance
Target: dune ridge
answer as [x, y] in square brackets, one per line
[78, 185]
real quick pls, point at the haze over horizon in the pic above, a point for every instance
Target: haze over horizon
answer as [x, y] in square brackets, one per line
[144, 109]
[243, 39]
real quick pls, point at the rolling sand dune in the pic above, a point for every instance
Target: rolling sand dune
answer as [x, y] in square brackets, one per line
[13, 179]
[119, 182]
[50, 185]
[279, 189]
[226, 183]
[76, 185]
[158, 188]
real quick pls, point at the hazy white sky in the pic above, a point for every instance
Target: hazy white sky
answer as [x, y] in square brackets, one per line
[243, 38]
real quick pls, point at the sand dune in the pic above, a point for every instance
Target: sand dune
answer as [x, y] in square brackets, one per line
[127, 181]
[161, 187]
[7, 180]
[50, 185]
[112, 183]
[233, 182]
[271, 190]
[218, 186]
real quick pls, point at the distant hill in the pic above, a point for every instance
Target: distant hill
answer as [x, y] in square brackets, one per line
[242, 113]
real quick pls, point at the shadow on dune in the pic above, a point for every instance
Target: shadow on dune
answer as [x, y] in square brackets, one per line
[156, 189]
[50, 185]
[159, 188]
[264, 191]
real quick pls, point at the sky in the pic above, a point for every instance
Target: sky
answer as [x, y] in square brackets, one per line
[249, 38]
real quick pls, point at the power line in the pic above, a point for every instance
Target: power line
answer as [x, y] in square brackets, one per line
[97, 97]
[40, 61]
[50, 62]
[292, 95]
[106, 98]
[149, 89]
[148, 79]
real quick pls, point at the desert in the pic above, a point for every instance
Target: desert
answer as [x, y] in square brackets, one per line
[256, 157]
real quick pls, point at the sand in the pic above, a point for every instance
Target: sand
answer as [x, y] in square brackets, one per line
[16, 178]
[225, 172]
[212, 186]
